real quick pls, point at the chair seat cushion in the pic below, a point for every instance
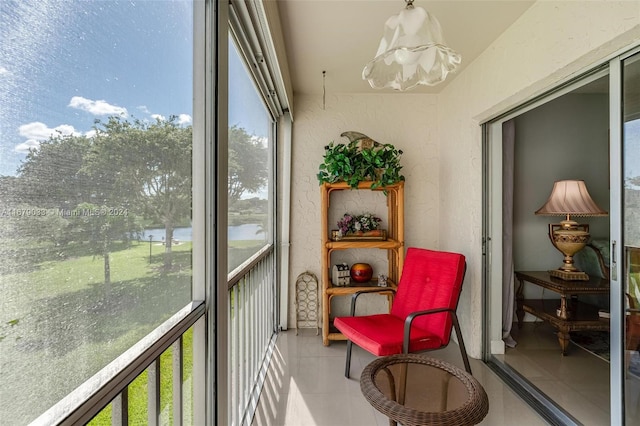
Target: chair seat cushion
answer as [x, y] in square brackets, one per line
[382, 334]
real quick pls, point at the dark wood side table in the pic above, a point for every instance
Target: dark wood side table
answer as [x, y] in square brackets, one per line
[569, 314]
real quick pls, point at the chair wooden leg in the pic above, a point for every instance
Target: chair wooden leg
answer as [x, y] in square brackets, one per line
[347, 366]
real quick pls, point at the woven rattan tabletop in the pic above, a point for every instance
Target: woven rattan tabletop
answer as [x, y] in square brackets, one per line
[435, 393]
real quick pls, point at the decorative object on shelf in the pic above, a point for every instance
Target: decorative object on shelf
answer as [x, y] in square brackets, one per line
[341, 275]
[361, 226]
[569, 198]
[604, 313]
[361, 140]
[377, 235]
[307, 302]
[382, 280]
[362, 159]
[361, 272]
[412, 52]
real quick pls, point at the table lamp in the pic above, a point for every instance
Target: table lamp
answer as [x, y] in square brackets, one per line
[569, 198]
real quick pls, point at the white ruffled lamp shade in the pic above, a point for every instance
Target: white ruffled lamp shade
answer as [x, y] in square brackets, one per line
[412, 52]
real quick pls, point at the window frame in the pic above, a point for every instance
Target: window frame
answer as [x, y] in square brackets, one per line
[86, 401]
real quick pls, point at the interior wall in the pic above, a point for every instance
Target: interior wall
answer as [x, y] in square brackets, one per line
[549, 44]
[406, 121]
[567, 138]
[441, 135]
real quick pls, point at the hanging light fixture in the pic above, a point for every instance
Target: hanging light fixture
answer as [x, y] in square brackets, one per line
[412, 52]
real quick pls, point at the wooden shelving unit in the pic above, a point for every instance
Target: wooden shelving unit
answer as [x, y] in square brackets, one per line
[394, 245]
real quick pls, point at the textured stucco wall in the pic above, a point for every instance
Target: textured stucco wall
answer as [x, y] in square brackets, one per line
[550, 43]
[441, 135]
[408, 122]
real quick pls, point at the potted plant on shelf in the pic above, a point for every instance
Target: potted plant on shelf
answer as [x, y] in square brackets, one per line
[362, 159]
[355, 227]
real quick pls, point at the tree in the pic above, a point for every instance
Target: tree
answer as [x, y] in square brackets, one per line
[9, 193]
[55, 188]
[632, 211]
[103, 227]
[53, 175]
[248, 170]
[151, 168]
[32, 224]
[632, 181]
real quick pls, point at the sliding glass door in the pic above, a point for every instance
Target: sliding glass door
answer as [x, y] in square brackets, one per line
[596, 119]
[631, 234]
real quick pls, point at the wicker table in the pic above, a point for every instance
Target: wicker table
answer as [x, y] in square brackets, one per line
[416, 390]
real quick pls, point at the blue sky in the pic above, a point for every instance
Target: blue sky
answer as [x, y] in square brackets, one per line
[631, 148]
[64, 64]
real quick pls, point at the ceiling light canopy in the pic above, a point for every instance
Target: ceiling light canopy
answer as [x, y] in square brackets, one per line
[412, 52]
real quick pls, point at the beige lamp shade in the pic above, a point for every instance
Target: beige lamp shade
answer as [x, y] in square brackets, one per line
[570, 198]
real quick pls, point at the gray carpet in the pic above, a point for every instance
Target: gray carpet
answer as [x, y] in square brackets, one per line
[596, 342]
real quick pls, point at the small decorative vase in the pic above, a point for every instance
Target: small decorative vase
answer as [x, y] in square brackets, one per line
[361, 272]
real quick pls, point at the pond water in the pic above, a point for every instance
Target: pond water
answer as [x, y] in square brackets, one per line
[249, 231]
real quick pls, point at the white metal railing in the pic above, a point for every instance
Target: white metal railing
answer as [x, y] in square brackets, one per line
[111, 384]
[252, 331]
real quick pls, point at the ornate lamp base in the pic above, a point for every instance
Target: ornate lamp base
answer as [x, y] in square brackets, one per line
[569, 238]
[569, 275]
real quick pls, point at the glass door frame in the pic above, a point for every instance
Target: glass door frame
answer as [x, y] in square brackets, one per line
[618, 259]
[616, 373]
[492, 247]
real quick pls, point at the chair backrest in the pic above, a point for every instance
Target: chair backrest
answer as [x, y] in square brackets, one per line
[430, 279]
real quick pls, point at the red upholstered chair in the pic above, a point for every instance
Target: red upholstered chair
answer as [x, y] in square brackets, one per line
[423, 310]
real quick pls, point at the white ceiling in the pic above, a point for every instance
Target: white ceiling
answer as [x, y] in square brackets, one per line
[340, 37]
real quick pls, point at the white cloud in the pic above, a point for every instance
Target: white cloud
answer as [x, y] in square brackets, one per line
[24, 147]
[96, 107]
[40, 131]
[261, 140]
[144, 109]
[3, 71]
[184, 119]
[37, 132]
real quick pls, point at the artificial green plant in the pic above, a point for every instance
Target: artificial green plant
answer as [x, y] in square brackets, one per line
[353, 164]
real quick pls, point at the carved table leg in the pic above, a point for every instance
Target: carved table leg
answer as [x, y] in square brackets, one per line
[563, 339]
[565, 308]
[519, 299]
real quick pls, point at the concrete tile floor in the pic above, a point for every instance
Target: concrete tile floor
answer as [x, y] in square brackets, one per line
[306, 387]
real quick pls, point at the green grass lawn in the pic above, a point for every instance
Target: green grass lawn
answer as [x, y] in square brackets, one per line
[60, 323]
[138, 397]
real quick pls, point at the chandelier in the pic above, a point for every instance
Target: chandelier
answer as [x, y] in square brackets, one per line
[412, 52]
